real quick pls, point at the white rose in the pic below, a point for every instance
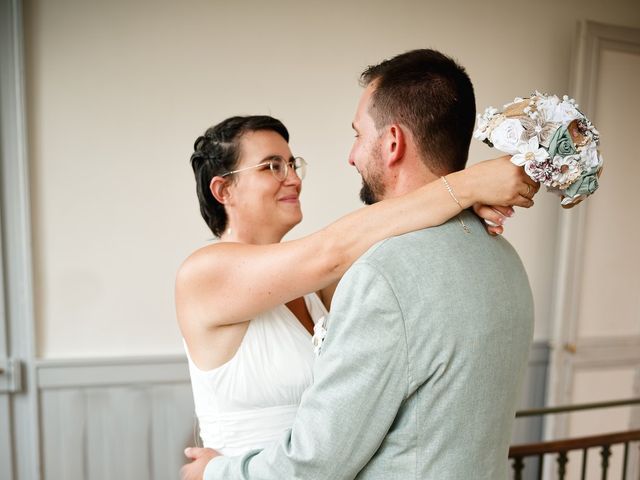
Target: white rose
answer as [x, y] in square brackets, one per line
[590, 155]
[547, 105]
[507, 136]
[565, 113]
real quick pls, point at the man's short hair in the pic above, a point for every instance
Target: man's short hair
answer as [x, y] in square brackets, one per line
[431, 95]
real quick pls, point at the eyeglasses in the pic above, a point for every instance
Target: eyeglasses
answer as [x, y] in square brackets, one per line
[279, 167]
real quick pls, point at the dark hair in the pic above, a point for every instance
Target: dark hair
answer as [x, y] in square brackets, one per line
[216, 153]
[431, 95]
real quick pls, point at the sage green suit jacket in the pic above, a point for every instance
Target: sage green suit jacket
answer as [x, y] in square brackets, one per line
[421, 369]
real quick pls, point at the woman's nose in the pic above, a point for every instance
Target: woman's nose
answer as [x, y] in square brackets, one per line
[292, 177]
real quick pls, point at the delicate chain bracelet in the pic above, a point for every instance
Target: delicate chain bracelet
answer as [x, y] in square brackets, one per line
[455, 199]
[450, 190]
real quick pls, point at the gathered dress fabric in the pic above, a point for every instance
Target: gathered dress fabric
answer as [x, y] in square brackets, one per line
[252, 399]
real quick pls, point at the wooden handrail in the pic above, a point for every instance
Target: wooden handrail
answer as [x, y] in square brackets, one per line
[561, 448]
[577, 407]
[580, 443]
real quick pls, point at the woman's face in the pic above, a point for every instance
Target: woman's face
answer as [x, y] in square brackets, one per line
[259, 204]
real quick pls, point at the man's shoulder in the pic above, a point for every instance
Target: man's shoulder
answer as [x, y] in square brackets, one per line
[394, 254]
[427, 239]
[428, 247]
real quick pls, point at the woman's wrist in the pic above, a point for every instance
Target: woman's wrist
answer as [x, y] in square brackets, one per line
[460, 188]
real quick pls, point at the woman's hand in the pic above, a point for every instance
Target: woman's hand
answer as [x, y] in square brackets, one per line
[500, 182]
[493, 216]
[493, 187]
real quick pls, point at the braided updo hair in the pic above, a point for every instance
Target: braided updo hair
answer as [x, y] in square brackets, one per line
[218, 152]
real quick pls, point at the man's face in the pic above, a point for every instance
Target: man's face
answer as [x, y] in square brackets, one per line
[366, 152]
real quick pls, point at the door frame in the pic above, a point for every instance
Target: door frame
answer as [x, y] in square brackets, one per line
[568, 352]
[17, 316]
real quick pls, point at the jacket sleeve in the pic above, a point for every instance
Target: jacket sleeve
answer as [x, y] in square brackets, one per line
[360, 381]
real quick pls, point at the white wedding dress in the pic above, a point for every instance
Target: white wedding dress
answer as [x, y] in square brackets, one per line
[249, 401]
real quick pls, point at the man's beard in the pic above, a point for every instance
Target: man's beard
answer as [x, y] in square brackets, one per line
[372, 190]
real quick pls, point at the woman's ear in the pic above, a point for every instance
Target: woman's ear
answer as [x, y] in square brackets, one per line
[219, 188]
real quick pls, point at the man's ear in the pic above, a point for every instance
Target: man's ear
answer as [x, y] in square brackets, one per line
[395, 144]
[219, 188]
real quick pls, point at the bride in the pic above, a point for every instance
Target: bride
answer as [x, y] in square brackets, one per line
[247, 306]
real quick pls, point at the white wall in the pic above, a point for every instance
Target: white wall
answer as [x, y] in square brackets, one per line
[119, 90]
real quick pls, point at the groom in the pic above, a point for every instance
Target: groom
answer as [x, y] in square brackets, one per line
[429, 332]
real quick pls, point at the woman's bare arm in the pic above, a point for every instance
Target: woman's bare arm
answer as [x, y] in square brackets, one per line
[229, 283]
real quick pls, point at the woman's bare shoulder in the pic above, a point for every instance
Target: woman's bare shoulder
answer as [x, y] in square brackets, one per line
[206, 261]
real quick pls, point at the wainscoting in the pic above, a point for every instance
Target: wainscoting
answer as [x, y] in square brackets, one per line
[116, 418]
[130, 418]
